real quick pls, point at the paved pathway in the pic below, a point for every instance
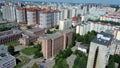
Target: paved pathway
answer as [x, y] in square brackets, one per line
[30, 64]
[20, 47]
[70, 60]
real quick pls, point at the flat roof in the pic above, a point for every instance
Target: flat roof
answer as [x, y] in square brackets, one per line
[35, 29]
[51, 36]
[103, 38]
[55, 35]
[66, 31]
[5, 34]
[6, 59]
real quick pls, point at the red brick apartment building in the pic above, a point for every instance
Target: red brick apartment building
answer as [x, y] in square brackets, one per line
[53, 43]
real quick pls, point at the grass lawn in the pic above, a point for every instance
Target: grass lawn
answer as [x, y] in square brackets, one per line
[13, 43]
[29, 50]
[35, 66]
[23, 60]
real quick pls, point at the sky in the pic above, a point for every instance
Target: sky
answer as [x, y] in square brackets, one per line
[82, 1]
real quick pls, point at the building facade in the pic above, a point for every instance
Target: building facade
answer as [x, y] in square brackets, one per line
[48, 18]
[9, 12]
[32, 18]
[21, 15]
[65, 24]
[102, 46]
[10, 35]
[114, 16]
[83, 28]
[53, 43]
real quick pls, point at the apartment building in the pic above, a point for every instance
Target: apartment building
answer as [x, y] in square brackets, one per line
[10, 35]
[53, 43]
[65, 24]
[48, 18]
[6, 60]
[9, 13]
[83, 28]
[100, 49]
[32, 16]
[114, 16]
[21, 15]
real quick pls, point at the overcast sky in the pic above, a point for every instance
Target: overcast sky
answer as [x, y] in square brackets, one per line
[83, 1]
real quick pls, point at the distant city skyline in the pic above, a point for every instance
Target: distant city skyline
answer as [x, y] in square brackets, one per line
[82, 1]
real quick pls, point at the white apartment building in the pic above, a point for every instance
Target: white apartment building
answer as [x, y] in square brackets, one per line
[32, 16]
[48, 18]
[6, 60]
[100, 49]
[9, 13]
[65, 24]
[68, 13]
[83, 29]
[21, 15]
[114, 16]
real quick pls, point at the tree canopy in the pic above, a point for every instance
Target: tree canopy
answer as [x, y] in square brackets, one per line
[87, 38]
[11, 50]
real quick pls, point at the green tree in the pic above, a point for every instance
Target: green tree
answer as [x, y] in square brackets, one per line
[79, 15]
[57, 27]
[111, 63]
[117, 58]
[81, 60]
[73, 38]
[29, 27]
[38, 46]
[30, 44]
[38, 54]
[11, 50]
[35, 65]
[48, 31]
[62, 63]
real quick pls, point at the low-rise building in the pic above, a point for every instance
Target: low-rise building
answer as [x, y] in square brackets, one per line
[31, 35]
[10, 35]
[6, 60]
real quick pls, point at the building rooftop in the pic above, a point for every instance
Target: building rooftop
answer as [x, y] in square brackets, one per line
[35, 29]
[66, 31]
[51, 36]
[20, 8]
[6, 58]
[28, 34]
[4, 55]
[55, 35]
[9, 33]
[110, 32]
[103, 39]
[3, 49]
